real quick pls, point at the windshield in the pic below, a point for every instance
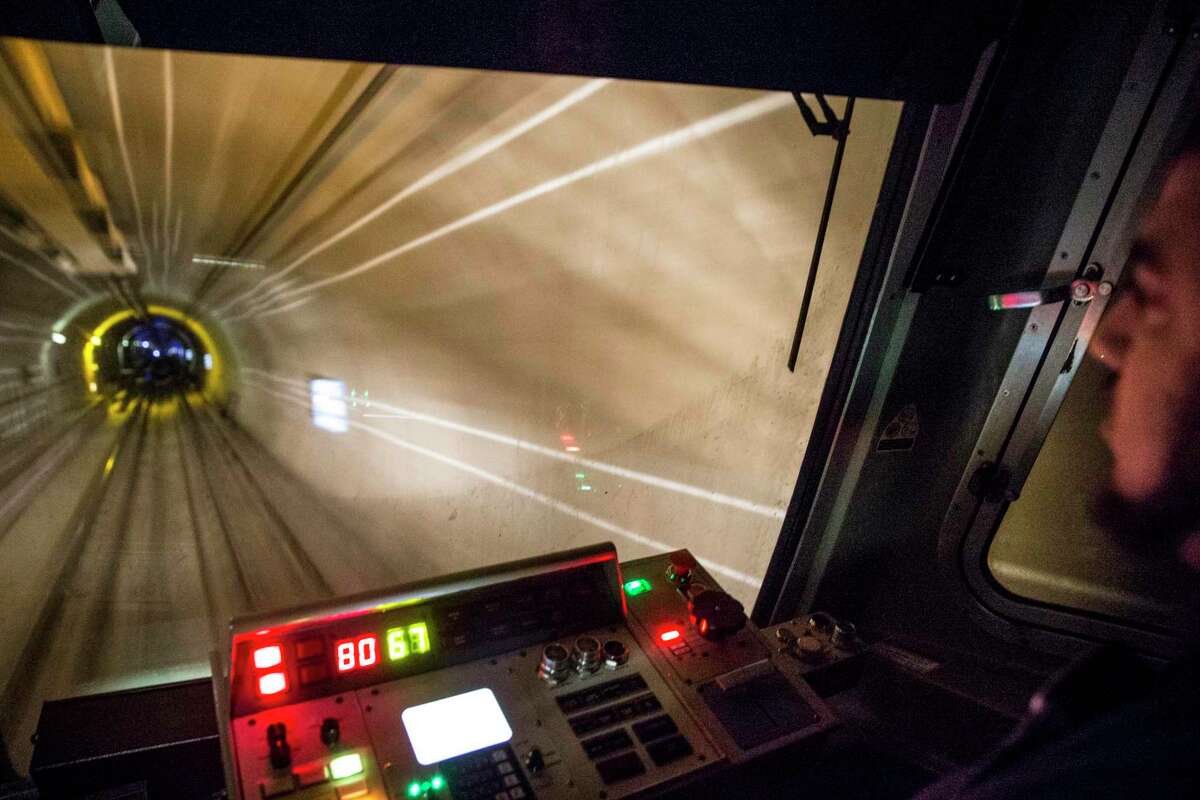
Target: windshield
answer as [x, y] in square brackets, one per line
[275, 330]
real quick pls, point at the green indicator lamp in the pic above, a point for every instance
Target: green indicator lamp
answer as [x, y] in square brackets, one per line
[437, 783]
[637, 586]
[414, 789]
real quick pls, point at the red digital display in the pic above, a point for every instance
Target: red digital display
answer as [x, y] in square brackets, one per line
[361, 651]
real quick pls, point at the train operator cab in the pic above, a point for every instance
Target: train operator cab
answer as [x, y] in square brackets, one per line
[560, 401]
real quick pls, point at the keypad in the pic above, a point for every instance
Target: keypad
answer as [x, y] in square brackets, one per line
[486, 775]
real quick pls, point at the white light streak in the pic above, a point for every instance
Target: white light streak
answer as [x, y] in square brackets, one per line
[169, 143]
[110, 75]
[660, 144]
[445, 170]
[526, 492]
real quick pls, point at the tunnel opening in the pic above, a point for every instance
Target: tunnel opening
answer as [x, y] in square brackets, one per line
[153, 354]
[153, 357]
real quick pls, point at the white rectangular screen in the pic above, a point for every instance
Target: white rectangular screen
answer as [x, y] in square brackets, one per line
[455, 725]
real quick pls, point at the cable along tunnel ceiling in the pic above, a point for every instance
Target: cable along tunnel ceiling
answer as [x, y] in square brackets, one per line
[545, 311]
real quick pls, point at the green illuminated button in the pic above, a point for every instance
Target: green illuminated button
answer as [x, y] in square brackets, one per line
[638, 586]
[437, 782]
[345, 766]
[414, 789]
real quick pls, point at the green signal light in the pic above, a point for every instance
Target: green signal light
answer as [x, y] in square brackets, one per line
[345, 766]
[438, 782]
[414, 789]
[637, 586]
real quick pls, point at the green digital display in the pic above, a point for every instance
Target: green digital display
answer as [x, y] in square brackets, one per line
[407, 640]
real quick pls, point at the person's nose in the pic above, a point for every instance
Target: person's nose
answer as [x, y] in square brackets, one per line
[1112, 335]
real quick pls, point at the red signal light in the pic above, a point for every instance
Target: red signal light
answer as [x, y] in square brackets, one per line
[265, 657]
[272, 683]
[669, 635]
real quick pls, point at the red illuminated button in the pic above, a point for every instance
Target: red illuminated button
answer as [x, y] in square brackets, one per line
[313, 673]
[265, 657]
[309, 648]
[669, 636]
[272, 683]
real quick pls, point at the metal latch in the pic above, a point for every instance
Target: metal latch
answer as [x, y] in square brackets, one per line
[1079, 290]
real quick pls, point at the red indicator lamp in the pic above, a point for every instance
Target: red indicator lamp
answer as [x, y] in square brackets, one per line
[669, 635]
[265, 657]
[272, 683]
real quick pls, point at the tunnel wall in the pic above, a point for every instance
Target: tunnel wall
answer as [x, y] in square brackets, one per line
[656, 334]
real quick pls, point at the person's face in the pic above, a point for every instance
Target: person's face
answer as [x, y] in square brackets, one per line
[1150, 339]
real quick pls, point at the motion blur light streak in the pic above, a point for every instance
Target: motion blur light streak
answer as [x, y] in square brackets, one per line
[537, 497]
[661, 144]
[110, 76]
[445, 170]
[168, 143]
[255, 314]
[549, 452]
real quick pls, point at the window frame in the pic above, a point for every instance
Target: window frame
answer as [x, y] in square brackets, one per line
[1160, 89]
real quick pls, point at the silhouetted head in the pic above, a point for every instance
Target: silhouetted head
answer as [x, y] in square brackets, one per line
[1150, 341]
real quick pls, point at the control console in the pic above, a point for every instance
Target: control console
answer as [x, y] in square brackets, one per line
[565, 676]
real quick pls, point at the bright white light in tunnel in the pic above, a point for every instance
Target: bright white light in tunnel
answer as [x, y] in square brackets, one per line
[156, 353]
[92, 386]
[329, 409]
[189, 355]
[97, 341]
[208, 361]
[58, 338]
[145, 345]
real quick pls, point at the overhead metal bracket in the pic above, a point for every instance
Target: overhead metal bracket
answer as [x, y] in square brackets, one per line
[830, 126]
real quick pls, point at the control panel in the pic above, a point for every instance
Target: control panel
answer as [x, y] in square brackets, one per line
[565, 676]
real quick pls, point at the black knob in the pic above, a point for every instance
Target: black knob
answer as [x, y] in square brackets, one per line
[331, 732]
[615, 654]
[277, 744]
[534, 761]
[716, 614]
[586, 654]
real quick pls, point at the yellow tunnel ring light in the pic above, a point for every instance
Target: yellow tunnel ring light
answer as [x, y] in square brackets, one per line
[91, 369]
